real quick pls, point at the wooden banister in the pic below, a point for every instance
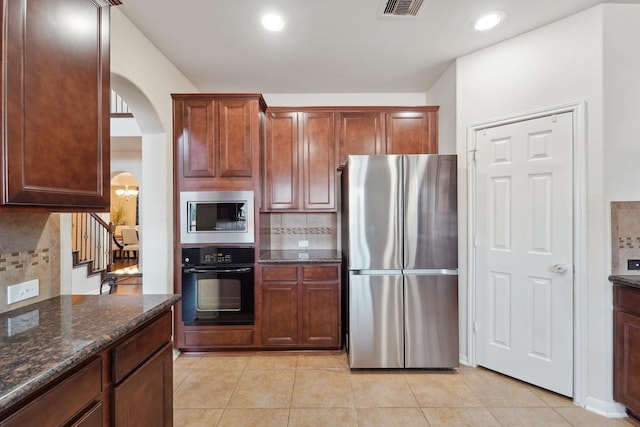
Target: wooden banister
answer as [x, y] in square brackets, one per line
[91, 242]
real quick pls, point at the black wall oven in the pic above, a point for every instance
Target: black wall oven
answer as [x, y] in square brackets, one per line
[218, 286]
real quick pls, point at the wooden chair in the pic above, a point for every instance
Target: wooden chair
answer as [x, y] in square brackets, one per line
[130, 242]
[116, 248]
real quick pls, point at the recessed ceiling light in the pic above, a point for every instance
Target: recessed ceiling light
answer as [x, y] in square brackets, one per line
[489, 20]
[273, 22]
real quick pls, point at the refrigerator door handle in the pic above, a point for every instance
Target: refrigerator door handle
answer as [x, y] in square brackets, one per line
[431, 272]
[376, 272]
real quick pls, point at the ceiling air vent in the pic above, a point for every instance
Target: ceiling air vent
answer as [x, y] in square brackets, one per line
[401, 7]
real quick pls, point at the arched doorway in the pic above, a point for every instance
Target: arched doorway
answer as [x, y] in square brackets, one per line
[155, 197]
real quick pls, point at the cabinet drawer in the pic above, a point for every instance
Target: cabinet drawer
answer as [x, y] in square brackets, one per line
[279, 273]
[133, 352]
[66, 400]
[93, 418]
[627, 299]
[322, 272]
[220, 338]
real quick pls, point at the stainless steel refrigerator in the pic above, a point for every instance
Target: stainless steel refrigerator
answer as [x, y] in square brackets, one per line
[400, 241]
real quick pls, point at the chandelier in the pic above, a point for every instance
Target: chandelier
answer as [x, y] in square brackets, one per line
[127, 193]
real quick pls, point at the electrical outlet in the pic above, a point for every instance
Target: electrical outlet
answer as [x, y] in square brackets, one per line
[633, 264]
[303, 243]
[23, 322]
[23, 291]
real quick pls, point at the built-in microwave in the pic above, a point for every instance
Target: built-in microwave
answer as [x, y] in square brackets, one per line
[213, 217]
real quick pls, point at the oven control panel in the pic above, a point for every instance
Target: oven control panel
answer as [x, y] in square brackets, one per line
[217, 258]
[213, 255]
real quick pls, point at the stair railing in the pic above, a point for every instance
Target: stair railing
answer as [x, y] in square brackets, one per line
[91, 242]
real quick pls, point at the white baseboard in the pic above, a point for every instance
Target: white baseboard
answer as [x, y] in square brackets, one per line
[462, 358]
[609, 409]
[83, 285]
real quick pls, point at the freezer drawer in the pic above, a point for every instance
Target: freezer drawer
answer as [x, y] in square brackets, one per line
[376, 337]
[431, 321]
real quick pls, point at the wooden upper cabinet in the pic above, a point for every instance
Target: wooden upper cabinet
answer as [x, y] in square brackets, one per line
[390, 130]
[216, 138]
[198, 142]
[300, 161]
[359, 133]
[319, 171]
[55, 107]
[236, 157]
[411, 132]
[282, 163]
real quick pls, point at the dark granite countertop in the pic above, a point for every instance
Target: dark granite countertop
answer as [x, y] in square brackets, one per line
[291, 256]
[66, 331]
[627, 280]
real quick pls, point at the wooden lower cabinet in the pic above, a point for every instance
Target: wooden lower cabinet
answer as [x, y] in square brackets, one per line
[320, 313]
[301, 306]
[145, 397]
[93, 418]
[130, 383]
[280, 314]
[71, 398]
[626, 338]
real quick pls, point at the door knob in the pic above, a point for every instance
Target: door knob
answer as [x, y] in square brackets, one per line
[559, 268]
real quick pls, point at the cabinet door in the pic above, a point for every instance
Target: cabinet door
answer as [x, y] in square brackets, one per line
[626, 362]
[320, 306]
[55, 86]
[145, 399]
[319, 171]
[411, 132]
[282, 163]
[235, 138]
[359, 133]
[280, 314]
[320, 315]
[195, 135]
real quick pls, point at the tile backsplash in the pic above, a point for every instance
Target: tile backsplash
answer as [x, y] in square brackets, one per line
[29, 249]
[318, 229]
[625, 236]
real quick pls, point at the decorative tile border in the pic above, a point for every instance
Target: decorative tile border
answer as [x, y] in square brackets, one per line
[629, 242]
[17, 260]
[302, 230]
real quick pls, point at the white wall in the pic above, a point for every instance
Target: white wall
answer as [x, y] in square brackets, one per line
[146, 79]
[443, 93]
[622, 102]
[555, 65]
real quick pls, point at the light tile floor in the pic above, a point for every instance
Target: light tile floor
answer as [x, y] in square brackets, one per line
[268, 389]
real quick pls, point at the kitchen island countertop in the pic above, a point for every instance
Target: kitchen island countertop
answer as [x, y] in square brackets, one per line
[626, 279]
[298, 256]
[41, 341]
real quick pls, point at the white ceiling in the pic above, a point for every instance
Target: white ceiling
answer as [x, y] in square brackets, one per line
[327, 46]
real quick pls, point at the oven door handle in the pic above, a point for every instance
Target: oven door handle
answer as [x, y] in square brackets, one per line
[217, 270]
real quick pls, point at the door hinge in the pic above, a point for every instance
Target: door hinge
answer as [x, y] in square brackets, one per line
[475, 327]
[475, 241]
[473, 155]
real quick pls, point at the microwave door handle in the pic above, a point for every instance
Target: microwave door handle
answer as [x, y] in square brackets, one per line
[217, 270]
